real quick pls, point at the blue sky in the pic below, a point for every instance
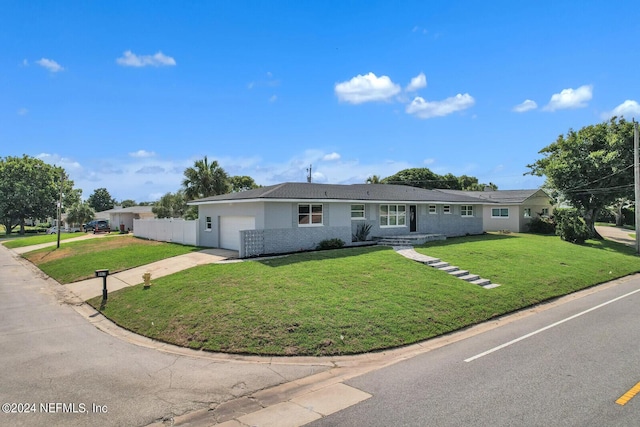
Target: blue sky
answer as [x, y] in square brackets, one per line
[126, 95]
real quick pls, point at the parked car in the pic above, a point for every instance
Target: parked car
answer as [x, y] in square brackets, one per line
[97, 225]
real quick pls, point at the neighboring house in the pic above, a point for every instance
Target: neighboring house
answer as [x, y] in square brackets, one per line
[296, 216]
[510, 210]
[121, 219]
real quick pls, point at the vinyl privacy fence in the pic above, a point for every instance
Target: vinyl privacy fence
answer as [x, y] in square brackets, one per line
[173, 230]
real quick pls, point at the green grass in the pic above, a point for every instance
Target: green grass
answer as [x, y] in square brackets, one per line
[78, 260]
[17, 241]
[358, 300]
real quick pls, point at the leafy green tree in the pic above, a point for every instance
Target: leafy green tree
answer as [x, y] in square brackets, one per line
[425, 178]
[171, 205]
[101, 200]
[80, 213]
[242, 183]
[128, 203]
[373, 179]
[205, 179]
[590, 168]
[29, 188]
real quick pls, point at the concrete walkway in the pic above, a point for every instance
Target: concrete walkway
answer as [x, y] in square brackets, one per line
[90, 288]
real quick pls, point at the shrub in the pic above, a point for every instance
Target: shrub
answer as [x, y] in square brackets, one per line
[541, 225]
[570, 226]
[330, 244]
[362, 233]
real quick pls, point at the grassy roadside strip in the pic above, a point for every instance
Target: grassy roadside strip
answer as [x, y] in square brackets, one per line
[358, 300]
[16, 241]
[78, 260]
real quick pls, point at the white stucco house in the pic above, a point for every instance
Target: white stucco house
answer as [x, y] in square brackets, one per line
[296, 216]
[510, 210]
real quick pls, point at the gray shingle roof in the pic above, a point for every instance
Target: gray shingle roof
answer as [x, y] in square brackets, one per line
[499, 196]
[364, 192]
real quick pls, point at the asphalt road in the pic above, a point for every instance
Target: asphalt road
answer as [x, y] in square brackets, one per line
[57, 369]
[554, 369]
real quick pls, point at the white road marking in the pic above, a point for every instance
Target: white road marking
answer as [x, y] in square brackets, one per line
[500, 347]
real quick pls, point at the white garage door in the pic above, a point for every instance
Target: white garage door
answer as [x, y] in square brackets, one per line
[230, 227]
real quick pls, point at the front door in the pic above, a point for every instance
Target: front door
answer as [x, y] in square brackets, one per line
[413, 218]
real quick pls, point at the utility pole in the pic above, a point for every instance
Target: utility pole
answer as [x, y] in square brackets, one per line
[636, 170]
[309, 173]
[60, 206]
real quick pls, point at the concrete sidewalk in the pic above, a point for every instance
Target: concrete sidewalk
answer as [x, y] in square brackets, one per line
[90, 288]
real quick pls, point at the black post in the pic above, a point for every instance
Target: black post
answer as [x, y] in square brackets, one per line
[104, 288]
[103, 273]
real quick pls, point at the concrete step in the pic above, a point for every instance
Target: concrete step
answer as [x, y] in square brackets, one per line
[449, 269]
[459, 273]
[440, 264]
[481, 282]
[491, 286]
[469, 277]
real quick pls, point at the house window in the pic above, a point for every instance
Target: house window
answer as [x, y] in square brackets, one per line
[527, 212]
[392, 215]
[466, 210]
[446, 209]
[433, 209]
[309, 215]
[357, 211]
[207, 225]
[500, 213]
[545, 211]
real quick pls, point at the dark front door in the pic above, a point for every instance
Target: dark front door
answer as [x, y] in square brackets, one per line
[413, 218]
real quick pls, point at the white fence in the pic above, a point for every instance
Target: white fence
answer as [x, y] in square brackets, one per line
[173, 230]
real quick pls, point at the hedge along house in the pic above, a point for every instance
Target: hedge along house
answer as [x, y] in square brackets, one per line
[292, 217]
[510, 210]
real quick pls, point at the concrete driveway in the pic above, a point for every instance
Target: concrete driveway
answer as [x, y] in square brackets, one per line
[617, 234]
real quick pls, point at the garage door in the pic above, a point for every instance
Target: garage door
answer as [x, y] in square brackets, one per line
[230, 227]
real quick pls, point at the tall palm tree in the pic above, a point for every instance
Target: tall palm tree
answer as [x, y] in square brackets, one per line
[373, 179]
[205, 179]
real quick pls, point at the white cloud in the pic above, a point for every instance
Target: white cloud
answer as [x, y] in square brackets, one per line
[418, 82]
[429, 161]
[331, 156]
[159, 59]
[142, 154]
[367, 88]
[628, 109]
[273, 99]
[427, 109]
[49, 64]
[570, 98]
[525, 106]
[22, 111]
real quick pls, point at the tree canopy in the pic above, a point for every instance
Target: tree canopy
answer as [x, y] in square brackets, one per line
[205, 179]
[30, 188]
[425, 178]
[242, 183]
[101, 200]
[171, 205]
[80, 213]
[590, 168]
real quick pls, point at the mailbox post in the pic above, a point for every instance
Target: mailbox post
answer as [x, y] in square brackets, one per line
[103, 273]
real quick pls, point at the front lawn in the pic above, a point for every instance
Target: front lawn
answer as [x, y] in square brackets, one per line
[358, 300]
[78, 260]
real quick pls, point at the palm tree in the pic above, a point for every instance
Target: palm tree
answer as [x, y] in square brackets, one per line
[373, 179]
[205, 179]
